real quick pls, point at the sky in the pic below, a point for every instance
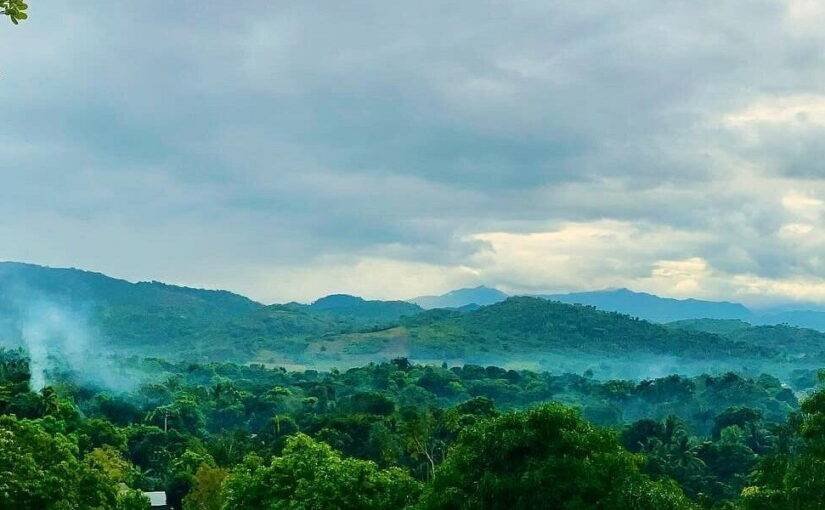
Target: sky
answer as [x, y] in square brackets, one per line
[287, 150]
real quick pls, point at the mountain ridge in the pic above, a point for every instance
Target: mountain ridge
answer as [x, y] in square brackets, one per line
[653, 307]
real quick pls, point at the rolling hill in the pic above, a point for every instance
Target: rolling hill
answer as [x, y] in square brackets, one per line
[526, 327]
[795, 342]
[152, 318]
[54, 306]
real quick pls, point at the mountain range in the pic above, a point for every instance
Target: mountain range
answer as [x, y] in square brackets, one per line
[642, 305]
[52, 310]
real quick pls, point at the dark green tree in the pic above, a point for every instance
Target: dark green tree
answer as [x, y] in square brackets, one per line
[546, 457]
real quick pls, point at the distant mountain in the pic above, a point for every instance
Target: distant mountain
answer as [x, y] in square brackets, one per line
[480, 296]
[813, 319]
[654, 308]
[659, 309]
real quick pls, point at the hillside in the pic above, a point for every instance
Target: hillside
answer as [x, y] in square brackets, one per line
[76, 288]
[799, 343]
[363, 313]
[533, 324]
[107, 312]
[151, 318]
[811, 319]
[533, 330]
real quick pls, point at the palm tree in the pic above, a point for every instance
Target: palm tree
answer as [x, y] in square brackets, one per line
[49, 400]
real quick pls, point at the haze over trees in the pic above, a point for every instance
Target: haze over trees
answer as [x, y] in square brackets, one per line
[228, 436]
[80, 310]
[382, 405]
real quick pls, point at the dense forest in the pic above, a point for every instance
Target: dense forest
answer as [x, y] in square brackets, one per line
[399, 435]
[109, 390]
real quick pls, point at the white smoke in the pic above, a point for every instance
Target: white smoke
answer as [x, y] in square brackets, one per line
[60, 338]
[53, 335]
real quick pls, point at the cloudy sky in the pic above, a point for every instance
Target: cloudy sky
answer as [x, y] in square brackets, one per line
[290, 149]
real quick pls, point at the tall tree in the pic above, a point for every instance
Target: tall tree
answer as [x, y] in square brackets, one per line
[311, 475]
[546, 457]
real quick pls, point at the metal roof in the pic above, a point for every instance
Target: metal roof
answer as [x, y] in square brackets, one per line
[157, 498]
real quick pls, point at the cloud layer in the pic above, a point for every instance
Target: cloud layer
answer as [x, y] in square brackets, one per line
[286, 150]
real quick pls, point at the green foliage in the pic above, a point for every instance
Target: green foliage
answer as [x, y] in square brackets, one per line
[14, 9]
[207, 490]
[547, 457]
[394, 424]
[792, 342]
[792, 476]
[43, 470]
[225, 435]
[310, 475]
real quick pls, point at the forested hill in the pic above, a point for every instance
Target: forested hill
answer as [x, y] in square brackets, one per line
[21, 284]
[155, 319]
[793, 341]
[152, 318]
[362, 310]
[525, 331]
[522, 325]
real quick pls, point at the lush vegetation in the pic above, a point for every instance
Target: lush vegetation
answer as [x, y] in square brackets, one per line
[178, 323]
[186, 394]
[797, 343]
[533, 324]
[397, 435]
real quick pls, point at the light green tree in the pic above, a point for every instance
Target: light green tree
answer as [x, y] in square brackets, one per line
[206, 494]
[43, 470]
[310, 475]
[14, 9]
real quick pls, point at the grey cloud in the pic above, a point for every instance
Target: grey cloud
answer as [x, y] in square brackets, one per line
[280, 133]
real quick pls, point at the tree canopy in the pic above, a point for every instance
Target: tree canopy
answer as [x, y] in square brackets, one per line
[547, 457]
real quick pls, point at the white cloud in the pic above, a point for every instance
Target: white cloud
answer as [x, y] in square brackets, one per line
[601, 254]
[370, 277]
[803, 206]
[796, 109]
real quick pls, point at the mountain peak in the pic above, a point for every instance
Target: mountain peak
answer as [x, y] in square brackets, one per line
[481, 295]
